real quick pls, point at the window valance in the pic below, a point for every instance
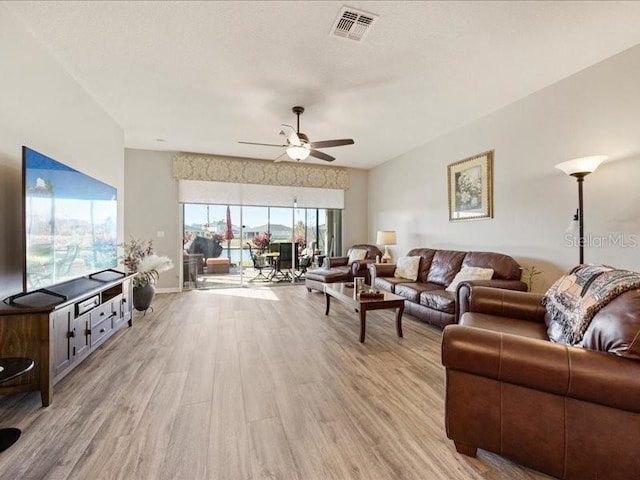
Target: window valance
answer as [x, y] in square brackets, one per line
[193, 166]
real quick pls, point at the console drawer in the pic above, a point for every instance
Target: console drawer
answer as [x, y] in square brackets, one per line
[101, 322]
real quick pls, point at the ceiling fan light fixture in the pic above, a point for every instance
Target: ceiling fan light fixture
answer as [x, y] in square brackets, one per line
[297, 152]
[298, 147]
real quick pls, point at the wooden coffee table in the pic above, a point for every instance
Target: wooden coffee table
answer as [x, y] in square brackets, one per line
[343, 292]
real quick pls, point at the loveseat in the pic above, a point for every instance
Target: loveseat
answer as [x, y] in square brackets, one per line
[572, 412]
[343, 269]
[427, 297]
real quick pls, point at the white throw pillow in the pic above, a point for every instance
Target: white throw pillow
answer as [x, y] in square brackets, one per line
[407, 267]
[357, 254]
[470, 273]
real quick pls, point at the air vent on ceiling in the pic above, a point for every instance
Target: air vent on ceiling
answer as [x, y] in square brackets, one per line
[353, 24]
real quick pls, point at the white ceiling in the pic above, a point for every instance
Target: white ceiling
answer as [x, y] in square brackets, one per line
[204, 75]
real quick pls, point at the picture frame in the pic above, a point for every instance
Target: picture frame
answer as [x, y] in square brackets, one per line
[470, 187]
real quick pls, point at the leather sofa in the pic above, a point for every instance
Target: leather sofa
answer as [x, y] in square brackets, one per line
[338, 269]
[427, 298]
[571, 412]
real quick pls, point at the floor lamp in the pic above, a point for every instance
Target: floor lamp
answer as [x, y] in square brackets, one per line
[580, 168]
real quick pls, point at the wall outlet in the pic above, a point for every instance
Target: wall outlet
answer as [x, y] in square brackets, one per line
[160, 233]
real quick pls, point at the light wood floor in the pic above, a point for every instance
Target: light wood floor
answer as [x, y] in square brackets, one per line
[248, 384]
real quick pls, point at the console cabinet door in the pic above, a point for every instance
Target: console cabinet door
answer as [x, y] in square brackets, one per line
[61, 337]
[127, 301]
[119, 309]
[80, 336]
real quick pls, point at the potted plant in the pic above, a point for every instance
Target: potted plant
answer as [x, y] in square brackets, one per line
[262, 242]
[528, 275]
[140, 259]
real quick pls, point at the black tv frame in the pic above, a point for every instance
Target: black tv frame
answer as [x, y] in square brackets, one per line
[45, 290]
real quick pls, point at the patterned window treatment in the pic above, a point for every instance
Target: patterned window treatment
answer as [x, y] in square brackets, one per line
[191, 166]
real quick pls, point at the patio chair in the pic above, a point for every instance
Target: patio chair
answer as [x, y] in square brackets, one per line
[303, 262]
[259, 264]
[286, 261]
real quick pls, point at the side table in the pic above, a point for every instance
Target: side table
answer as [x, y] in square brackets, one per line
[11, 368]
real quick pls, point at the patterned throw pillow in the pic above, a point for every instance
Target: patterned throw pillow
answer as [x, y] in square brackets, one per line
[357, 254]
[469, 273]
[407, 267]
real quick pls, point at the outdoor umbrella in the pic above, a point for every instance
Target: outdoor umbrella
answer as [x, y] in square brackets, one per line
[228, 234]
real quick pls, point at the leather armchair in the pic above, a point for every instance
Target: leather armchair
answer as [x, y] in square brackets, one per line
[337, 269]
[357, 268]
[567, 411]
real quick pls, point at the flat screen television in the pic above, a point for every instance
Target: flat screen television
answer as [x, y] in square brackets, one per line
[70, 222]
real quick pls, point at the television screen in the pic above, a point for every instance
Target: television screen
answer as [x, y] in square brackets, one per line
[70, 222]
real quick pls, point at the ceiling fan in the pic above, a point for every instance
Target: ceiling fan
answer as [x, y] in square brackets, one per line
[298, 146]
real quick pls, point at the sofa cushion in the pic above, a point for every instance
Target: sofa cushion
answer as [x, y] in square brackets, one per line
[356, 254]
[412, 291]
[328, 275]
[504, 267]
[514, 326]
[439, 300]
[407, 267]
[444, 266]
[389, 283]
[372, 250]
[468, 274]
[426, 257]
[616, 327]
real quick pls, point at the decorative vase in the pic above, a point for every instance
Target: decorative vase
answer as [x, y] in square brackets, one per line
[143, 296]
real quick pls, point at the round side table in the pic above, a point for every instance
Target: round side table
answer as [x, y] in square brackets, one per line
[11, 368]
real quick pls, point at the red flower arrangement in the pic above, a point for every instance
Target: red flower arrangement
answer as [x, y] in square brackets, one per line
[262, 241]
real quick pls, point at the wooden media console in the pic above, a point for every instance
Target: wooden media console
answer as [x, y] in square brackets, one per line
[62, 325]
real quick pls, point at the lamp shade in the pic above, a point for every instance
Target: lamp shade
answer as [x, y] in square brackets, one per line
[583, 165]
[386, 237]
[297, 152]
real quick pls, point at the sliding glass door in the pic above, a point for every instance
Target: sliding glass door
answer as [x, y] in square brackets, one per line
[217, 239]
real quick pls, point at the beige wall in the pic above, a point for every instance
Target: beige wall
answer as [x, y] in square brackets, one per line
[354, 218]
[152, 207]
[42, 107]
[592, 112]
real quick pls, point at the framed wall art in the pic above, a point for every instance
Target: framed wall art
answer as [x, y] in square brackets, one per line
[471, 187]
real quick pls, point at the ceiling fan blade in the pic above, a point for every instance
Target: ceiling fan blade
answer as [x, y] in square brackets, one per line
[332, 143]
[292, 135]
[321, 156]
[280, 158]
[264, 144]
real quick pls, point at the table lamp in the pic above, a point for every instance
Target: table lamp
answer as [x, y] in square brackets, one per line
[386, 238]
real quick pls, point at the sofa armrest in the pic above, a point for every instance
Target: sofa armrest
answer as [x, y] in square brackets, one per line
[359, 268]
[330, 262]
[475, 297]
[579, 373]
[382, 269]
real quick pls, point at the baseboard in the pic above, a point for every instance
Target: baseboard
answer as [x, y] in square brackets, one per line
[168, 290]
